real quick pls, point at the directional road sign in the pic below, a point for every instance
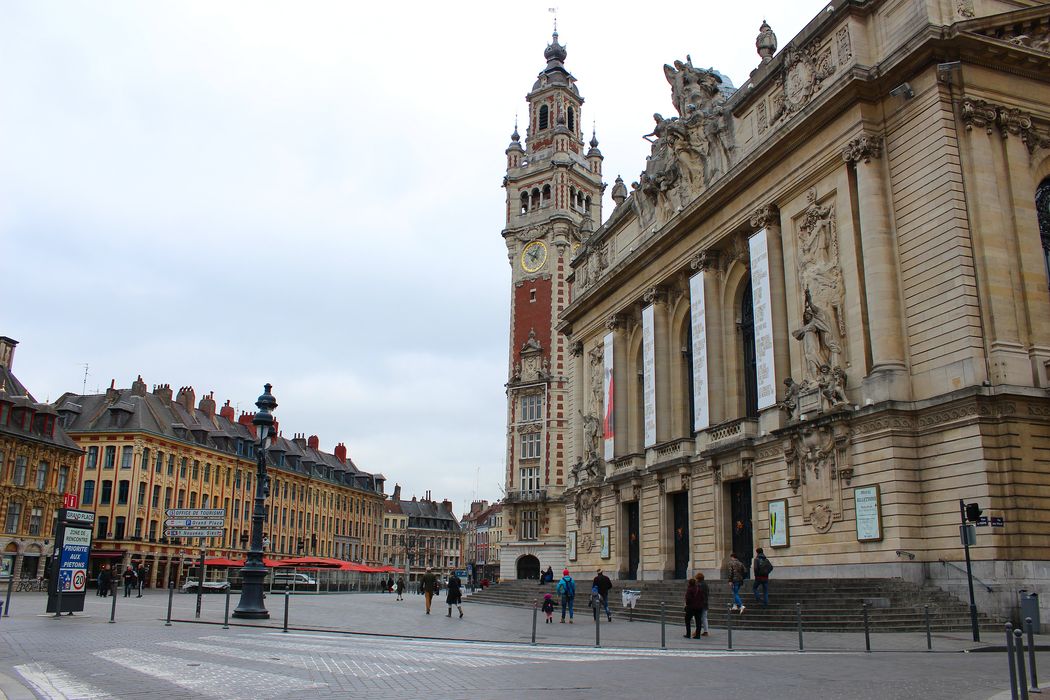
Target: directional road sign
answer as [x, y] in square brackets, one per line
[205, 523]
[195, 512]
[190, 532]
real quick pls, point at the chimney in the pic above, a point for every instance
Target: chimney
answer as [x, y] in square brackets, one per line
[246, 420]
[340, 452]
[112, 393]
[300, 440]
[207, 404]
[227, 412]
[313, 442]
[162, 391]
[7, 351]
[186, 398]
[397, 493]
[447, 505]
[138, 387]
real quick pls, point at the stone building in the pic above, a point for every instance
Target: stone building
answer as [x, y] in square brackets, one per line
[482, 539]
[554, 194]
[395, 532]
[819, 319]
[147, 451]
[38, 466]
[432, 536]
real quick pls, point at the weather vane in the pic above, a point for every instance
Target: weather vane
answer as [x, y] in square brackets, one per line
[554, 11]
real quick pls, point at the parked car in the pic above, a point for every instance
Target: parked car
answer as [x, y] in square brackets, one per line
[294, 580]
[193, 584]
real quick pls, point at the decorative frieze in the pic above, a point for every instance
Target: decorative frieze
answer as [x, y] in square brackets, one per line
[1010, 121]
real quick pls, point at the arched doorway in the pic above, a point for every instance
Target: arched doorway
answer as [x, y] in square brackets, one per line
[528, 567]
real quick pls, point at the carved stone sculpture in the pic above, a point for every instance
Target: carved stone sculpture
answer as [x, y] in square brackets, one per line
[819, 348]
[619, 191]
[766, 43]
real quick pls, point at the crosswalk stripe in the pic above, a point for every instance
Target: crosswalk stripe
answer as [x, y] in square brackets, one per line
[205, 678]
[53, 683]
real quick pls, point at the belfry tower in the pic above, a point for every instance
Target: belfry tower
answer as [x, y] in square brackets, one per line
[554, 194]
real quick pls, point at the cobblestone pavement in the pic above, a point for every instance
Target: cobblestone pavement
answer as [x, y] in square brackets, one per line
[417, 655]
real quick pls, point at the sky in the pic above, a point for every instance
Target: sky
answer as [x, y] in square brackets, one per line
[223, 194]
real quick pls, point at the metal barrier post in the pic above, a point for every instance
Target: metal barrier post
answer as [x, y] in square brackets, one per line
[663, 625]
[535, 613]
[1031, 654]
[867, 635]
[597, 627]
[798, 621]
[929, 637]
[287, 595]
[113, 609]
[729, 627]
[1022, 677]
[1010, 660]
[226, 615]
[10, 587]
[171, 594]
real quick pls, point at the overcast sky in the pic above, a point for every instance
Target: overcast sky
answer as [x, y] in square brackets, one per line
[222, 194]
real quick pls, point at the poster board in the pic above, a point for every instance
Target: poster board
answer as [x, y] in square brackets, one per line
[779, 536]
[604, 535]
[868, 504]
[570, 545]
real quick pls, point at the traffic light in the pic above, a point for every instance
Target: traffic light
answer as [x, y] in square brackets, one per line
[973, 512]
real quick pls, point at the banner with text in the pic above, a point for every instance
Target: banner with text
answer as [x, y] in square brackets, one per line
[701, 408]
[608, 425]
[761, 302]
[649, 376]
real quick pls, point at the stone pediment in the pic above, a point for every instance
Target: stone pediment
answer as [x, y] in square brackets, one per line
[1028, 28]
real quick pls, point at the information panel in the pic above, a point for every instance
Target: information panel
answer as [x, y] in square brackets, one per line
[869, 513]
[649, 376]
[761, 301]
[701, 407]
[778, 523]
[73, 561]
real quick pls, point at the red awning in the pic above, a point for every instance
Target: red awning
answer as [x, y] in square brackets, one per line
[220, 561]
[111, 555]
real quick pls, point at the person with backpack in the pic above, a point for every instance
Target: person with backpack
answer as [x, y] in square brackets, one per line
[737, 573]
[567, 592]
[763, 567]
[548, 607]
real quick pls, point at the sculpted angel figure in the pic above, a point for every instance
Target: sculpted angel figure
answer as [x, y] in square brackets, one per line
[818, 346]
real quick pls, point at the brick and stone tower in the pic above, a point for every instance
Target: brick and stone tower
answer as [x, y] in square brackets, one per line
[554, 193]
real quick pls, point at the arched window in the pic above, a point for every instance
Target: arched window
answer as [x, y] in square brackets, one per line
[587, 203]
[1042, 205]
[546, 194]
[544, 117]
[524, 202]
[572, 120]
[535, 202]
[747, 336]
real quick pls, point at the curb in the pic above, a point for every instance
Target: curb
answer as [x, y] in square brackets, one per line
[11, 689]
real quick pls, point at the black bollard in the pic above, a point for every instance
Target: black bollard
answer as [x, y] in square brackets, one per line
[597, 627]
[929, 637]
[1022, 677]
[729, 627]
[226, 616]
[1031, 653]
[113, 609]
[7, 601]
[663, 625]
[171, 595]
[798, 621]
[535, 612]
[287, 595]
[867, 635]
[1010, 660]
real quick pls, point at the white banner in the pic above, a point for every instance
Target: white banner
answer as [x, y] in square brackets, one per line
[761, 301]
[649, 376]
[701, 407]
[608, 391]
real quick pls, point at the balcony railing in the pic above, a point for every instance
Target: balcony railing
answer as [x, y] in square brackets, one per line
[527, 495]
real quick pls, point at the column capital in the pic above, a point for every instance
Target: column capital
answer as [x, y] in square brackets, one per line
[864, 147]
[656, 294]
[704, 260]
[765, 216]
[616, 322]
[576, 348]
[1010, 121]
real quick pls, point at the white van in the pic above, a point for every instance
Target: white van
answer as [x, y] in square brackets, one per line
[294, 580]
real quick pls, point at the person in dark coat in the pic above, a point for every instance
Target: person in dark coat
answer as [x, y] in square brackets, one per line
[105, 580]
[140, 577]
[692, 608]
[704, 598]
[604, 585]
[130, 580]
[400, 587]
[455, 594]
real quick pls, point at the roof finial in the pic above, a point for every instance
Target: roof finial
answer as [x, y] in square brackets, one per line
[554, 11]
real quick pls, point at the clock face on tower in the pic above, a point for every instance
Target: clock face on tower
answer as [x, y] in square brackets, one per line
[533, 256]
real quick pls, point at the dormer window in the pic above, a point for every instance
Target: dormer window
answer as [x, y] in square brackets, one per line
[544, 117]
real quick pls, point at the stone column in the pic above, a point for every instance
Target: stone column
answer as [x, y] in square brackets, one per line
[888, 377]
[768, 217]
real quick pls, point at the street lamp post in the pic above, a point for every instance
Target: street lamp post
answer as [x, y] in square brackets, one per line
[251, 605]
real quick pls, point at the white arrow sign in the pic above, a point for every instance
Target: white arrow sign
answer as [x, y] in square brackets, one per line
[186, 532]
[195, 512]
[195, 522]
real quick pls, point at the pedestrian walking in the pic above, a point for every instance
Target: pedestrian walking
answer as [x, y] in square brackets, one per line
[430, 586]
[567, 593]
[140, 577]
[705, 599]
[692, 608]
[604, 584]
[400, 587]
[763, 568]
[102, 582]
[548, 607]
[130, 579]
[737, 572]
[455, 594]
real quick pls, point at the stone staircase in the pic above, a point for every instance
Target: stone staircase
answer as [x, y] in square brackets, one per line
[828, 605]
